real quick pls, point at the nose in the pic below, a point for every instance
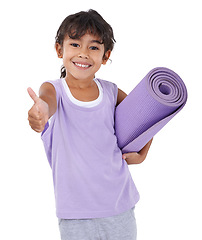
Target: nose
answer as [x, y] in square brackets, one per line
[83, 54]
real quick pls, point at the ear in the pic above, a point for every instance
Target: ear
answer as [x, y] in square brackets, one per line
[59, 50]
[106, 57]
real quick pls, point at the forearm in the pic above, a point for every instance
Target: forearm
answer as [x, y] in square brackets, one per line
[51, 105]
[137, 158]
[144, 151]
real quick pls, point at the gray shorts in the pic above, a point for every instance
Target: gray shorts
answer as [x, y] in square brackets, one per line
[120, 227]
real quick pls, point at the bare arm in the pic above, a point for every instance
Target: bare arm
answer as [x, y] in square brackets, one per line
[48, 94]
[133, 157]
[137, 158]
[120, 97]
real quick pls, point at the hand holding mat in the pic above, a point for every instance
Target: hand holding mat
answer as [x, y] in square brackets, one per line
[149, 107]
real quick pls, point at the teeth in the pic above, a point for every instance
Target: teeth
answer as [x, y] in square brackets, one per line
[82, 65]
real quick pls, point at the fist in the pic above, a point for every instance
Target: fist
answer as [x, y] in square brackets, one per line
[38, 115]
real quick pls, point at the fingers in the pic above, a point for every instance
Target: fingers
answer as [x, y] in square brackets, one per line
[36, 124]
[35, 119]
[133, 158]
[34, 112]
[129, 155]
[33, 95]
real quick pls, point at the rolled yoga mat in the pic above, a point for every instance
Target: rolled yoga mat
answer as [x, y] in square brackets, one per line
[148, 108]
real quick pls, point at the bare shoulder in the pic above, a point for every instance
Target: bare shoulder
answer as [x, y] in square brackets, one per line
[121, 96]
[47, 89]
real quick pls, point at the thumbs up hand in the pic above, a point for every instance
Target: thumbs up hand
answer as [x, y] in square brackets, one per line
[38, 115]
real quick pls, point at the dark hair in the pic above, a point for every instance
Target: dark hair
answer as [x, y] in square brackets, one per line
[78, 24]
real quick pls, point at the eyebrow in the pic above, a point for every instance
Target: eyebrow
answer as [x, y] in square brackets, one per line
[92, 41]
[96, 41]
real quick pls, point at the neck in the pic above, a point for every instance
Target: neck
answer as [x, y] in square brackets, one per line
[79, 83]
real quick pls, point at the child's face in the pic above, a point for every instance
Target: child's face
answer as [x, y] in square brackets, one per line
[82, 57]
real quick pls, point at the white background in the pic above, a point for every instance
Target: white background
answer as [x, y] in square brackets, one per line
[149, 34]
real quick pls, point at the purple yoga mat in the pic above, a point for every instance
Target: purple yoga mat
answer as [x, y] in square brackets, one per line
[148, 108]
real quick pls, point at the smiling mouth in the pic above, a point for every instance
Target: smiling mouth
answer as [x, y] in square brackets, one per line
[82, 66]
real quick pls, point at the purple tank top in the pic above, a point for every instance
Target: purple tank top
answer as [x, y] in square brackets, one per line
[91, 180]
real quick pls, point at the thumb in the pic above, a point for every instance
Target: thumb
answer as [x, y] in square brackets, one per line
[33, 95]
[127, 155]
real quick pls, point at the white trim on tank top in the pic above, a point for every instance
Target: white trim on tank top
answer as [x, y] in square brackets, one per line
[81, 103]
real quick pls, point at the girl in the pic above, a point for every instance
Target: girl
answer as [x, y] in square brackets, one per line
[94, 191]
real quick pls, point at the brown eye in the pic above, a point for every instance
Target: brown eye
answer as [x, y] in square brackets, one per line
[94, 48]
[74, 45]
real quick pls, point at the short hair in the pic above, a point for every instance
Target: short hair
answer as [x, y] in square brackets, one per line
[78, 24]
